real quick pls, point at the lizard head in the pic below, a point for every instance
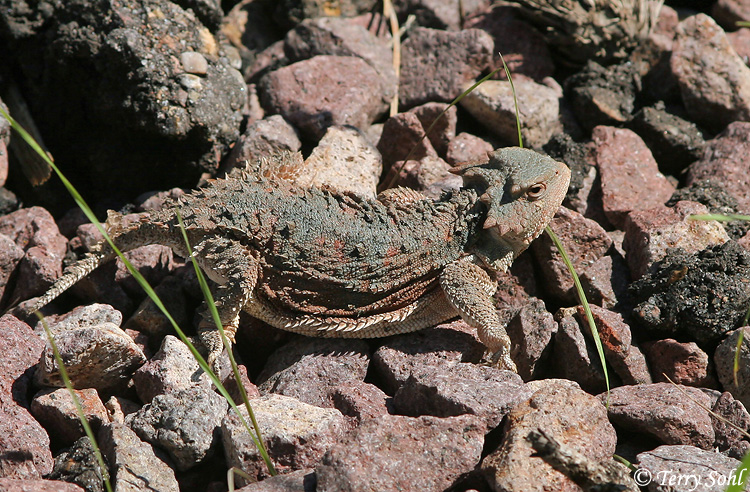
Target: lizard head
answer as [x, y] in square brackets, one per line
[522, 190]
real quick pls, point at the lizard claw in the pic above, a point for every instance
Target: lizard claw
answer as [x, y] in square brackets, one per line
[501, 359]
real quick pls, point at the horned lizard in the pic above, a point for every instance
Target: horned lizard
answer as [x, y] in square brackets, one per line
[324, 263]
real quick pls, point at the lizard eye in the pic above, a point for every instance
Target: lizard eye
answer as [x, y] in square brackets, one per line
[536, 191]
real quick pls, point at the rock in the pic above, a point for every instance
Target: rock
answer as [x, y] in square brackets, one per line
[431, 175]
[683, 363]
[700, 48]
[296, 435]
[10, 256]
[184, 423]
[602, 96]
[584, 240]
[723, 163]
[574, 358]
[674, 142]
[341, 37]
[729, 439]
[486, 392]
[436, 65]
[698, 296]
[724, 360]
[80, 317]
[173, 368]
[493, 105]
[718, 201]
[149, 319]
[55, 410]
[19, 485]
[305, 367]
[289, 13]
[531, 331]
[630, 177]
[439, 14]
[78, 464]
[35, 232]
[395, 452]
[650, 233]
[325, 90]
[403, 135]
[445, 345]
[344, 160]
[740, 41]
[466, 147]
[153, 261]
[183, 122]
[263, 138]
[524, 49]
[663, 411]
[686, 468]
[360, 400]
[728, 12]
[297, 481]
[25, 444]
[102, 357]
[442, 120]
[136, 465]
[605, 281]
[565, 412]
[582, 196]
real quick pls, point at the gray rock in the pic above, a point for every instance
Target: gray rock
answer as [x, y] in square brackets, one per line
[78, 465]
[136, 465]
[681, 362]
[730, 439]
[531, 330]
[574, 358]
[184, 423]
[687, 468]
[296, 481]
[724, 361]
[296, 435]
[80, 317]
[263, 138]
[396, 452]
[56, 411]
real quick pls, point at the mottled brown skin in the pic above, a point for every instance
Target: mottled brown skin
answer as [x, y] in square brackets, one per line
[323, 263]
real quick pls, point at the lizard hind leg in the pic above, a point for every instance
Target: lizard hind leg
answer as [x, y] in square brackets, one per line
[234, 268]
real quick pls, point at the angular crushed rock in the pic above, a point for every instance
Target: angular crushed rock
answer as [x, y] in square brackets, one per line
[296, 481]
[724, 361]
[306, 367]
[561, 409]
[296, 435]
[689, 468]
[531, 330]
[602, 96]
[55, 410]
[184, 423]
[729, 439]
[682, 362]
[700, 296]
[261, 139]
[664, 412]
[78, 464]
[14, 484]
[396, 452]
[700, 48]
[574, 358]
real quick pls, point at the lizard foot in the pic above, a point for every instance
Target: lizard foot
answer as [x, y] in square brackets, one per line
[501, 359]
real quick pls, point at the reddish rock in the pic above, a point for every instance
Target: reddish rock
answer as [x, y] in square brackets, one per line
[10, 256]
[734, 418]
[650, 233]
[701, 48]
[664, 412]
[466, 147]
[584, 240]
[724, 163]
[430, 174]
[154, 262]
[56, 411]
[740, 41]
[25, 444]
[306, 367]
[34, 231]
[18, 485]
[575, 359]
[445, 345]
[230, 383]
[728, 12]
[565, 412]
[724, 357]
[359, 400]
[403, 135]
[300, 480]
[435, 65]
[531, 331]
[683, 363]
[443, 391]
[149, 319]
[297, 435]
[524, 49]
[492, 104]
[687, 468]
[261, 139]
[605, 281]
[396, 452]
[442, 118]
[630, 177]
[325, 90]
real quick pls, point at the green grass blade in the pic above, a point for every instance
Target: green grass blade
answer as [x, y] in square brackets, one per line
[740, 475]
[584, 303]
[79, 408]
[515, 100]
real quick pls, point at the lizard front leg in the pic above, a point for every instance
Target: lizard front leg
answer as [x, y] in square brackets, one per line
[470, 289]
[234, 268]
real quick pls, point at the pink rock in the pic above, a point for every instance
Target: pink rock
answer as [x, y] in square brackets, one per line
[683, 363]
[728, 12]
[403, 135]
[55, 410]
[724, 162]
[531, 331]
[25, 444]
[523, 47]
[605, 282]
[442, 118]
[649, 233]
[584, 240]
[740, 41]
[3, 163]
[10, 256]
[19, 485]
[435, 65]
[700, 48]
[325, 90]
[630, 177]
[466, 147]
[261, 139]
[574, 358]
[359, 400]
